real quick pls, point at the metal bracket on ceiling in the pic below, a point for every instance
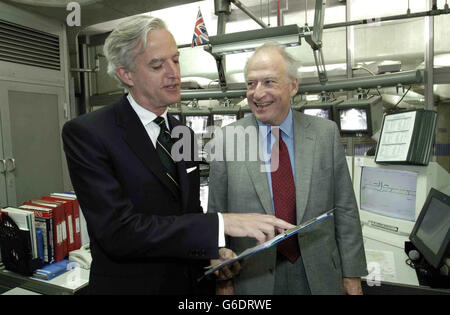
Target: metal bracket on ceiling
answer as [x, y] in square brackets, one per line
[314, 39]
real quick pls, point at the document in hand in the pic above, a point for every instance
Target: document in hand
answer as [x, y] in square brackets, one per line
[258, 248]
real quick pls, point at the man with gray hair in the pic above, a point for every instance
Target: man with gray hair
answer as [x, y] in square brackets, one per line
[147, 230]
[310, 178]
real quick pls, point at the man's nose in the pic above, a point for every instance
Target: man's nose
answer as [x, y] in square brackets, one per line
[259, 91]
[173, 69]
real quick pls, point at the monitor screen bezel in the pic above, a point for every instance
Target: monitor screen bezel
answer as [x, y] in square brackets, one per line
[434, 259]
[329, 108]
[337, 119]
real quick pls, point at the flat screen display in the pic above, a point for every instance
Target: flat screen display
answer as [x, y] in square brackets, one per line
[434, 226]
[389, 192]
[353, 119]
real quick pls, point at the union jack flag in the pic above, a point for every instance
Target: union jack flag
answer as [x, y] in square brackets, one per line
[200, 33]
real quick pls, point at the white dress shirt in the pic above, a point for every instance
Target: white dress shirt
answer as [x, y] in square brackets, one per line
[147, 118]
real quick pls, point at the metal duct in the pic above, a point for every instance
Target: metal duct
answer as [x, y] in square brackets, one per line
[24, 45]
[384, 80]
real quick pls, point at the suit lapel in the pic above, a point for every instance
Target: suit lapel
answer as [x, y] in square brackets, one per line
[137, 138]
[258, 175]
[304, 143]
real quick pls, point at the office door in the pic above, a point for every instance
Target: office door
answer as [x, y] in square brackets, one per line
[32, 143]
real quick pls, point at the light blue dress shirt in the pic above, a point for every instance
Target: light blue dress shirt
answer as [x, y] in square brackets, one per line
[287, 130]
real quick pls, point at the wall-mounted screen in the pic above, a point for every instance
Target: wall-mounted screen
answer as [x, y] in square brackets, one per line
[353, 119]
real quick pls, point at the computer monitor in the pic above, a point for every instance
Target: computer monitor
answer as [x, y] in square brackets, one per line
[390, 197]
[431, 233]
[359, 117]
[223, 116]
[198, 119]
[320, 109]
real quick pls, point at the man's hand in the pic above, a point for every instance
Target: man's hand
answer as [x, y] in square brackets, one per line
[352, 286]
[258, 226]
[227, 272]
[225, 284]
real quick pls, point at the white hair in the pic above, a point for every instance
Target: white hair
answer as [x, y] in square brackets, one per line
[291, 63]
[128, 40]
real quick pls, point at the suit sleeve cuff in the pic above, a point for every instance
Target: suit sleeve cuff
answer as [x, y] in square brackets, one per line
[221, 231]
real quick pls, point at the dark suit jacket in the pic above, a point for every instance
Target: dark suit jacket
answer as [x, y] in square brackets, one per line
[144, 231]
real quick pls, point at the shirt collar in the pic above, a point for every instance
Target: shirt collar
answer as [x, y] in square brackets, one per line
[287, 126]
[144, 114]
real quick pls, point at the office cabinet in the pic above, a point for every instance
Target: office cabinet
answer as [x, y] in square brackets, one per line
[33, 105]
[31, 122]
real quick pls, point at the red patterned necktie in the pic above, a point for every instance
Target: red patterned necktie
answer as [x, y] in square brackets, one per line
[283, 189]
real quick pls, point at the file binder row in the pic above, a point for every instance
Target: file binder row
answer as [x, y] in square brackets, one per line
[54, 228]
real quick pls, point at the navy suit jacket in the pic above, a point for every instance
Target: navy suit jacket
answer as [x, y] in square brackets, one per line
[144, 230]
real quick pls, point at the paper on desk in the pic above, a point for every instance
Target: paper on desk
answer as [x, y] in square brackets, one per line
[381, 264]
[280, 237]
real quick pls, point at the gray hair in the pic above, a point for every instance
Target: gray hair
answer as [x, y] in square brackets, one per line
[292, 64]
[122, 45]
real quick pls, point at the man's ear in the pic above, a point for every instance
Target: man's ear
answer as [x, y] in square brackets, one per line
[294, 87]
[125, 75]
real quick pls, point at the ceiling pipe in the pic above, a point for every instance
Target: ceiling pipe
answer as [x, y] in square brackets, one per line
[378, 81]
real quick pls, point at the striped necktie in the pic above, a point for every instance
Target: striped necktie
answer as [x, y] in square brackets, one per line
[163, 147]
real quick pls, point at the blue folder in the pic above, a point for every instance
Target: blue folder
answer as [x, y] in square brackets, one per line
[51, 271]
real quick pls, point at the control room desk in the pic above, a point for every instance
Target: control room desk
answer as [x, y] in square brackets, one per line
[395, 275]
[66, 284]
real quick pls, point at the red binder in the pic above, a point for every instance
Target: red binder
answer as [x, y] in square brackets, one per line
[76, 215]
[67, 208]
[59, 242]
[69, 205]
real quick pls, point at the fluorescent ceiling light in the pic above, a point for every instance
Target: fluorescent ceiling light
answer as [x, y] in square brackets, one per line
[247, 41]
